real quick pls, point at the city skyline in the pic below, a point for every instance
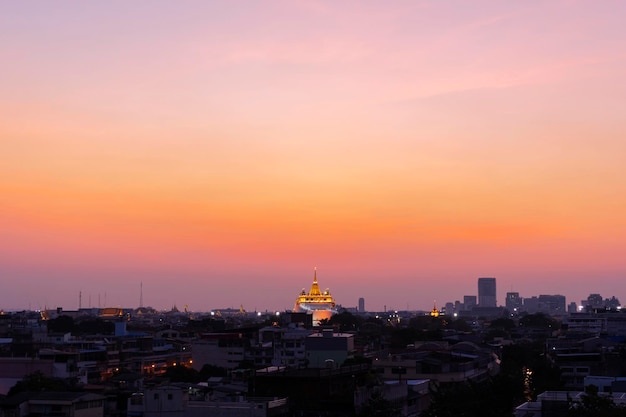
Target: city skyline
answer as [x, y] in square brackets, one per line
[107, 299]
[217, 153]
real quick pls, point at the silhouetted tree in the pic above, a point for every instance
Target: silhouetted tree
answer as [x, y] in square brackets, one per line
[538, 320]
[179, 373]
[460, 325]
[517, 359]
[208, 371]
[94, 326]
[37, 381]
[62, 324]
[378, 406]
[468, 399]
[502, 324]
[345, 321]
[592, 404]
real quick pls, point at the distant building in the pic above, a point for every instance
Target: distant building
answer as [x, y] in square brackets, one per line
[572, 308]
[612, 303]
[595, 301]
[547, 304]
[469, 302]
[361, 305]
[513, 301]
[553, 304]
[487, 292]
[531, 305]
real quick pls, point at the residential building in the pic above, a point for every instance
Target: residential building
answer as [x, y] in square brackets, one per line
[328, 349]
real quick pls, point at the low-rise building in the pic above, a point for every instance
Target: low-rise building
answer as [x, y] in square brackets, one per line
[192, 401]
[439, 363]
[327, 348]
[58, 404]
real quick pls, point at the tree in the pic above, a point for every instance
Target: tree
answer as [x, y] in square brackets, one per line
[592, 404]
[459, 325]
[538, 320]
[37, 381]
[502, 324]
[378, 406]
[62, 324]
[527, 365]
[345, 321]
[469, 399]
[209, 371]
[94, 326]
[180, 373]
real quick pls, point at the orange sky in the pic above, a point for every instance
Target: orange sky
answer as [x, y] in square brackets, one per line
[217, 153]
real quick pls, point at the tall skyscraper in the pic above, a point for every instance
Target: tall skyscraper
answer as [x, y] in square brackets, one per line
[487, 292]
[361, 305]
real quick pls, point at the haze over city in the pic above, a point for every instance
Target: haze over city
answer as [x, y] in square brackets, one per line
[219, 151]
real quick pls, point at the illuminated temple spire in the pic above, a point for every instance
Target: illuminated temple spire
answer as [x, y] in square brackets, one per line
[315, 288]
[320, 304]
[434, 312]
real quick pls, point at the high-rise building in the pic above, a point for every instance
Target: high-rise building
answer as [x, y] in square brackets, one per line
[487, 292]
[469, 302]
[361, 305]
[513, 301]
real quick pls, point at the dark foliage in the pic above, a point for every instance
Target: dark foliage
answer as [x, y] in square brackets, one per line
[208, 371]
[592, 404]
[538, 320]
[94, 326]
[502, 324]
[378, 406]
[62, 324]
[345, 321]
[37, 381]
[181, 373]
[527, 364]
[469, 399]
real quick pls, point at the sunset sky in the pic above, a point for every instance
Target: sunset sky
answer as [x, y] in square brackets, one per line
[218, 151]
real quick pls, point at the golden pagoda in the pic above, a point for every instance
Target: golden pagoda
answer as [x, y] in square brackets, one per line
[320, 304]
[434, 312]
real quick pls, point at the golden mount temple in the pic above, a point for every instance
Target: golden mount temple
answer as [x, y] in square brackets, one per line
[320, 304]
